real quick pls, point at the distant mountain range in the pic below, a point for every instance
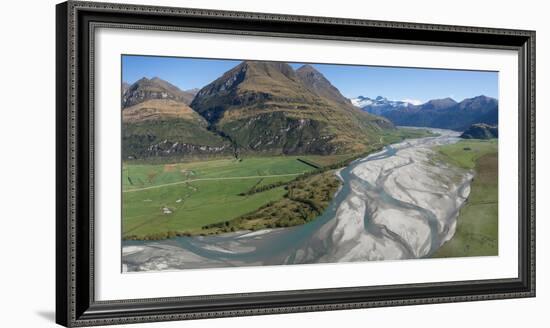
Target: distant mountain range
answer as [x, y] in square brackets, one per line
[437, 113]
[264, 107]
[379, 105]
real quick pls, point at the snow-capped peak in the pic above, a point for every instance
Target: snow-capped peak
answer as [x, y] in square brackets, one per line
[415, 102]
[362, 102]
[381, 105]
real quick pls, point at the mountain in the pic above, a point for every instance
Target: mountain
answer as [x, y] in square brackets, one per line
[159, 123]
[125, 86]
[269, 107]
[160, 109]
[379, 105]
[438, 104]
[447, 113]
[192, 92]
[155, 88]
[480, 131]
[318, 84]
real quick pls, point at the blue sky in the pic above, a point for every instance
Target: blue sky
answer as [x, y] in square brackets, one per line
[395, 83]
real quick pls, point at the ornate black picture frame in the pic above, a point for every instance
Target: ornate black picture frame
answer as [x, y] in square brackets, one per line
[75, 301]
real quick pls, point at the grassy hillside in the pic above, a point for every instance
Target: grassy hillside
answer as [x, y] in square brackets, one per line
[155, 109]
[465, 153]
[165, 127]
[256, 108]
[477, 225]
[266, 107]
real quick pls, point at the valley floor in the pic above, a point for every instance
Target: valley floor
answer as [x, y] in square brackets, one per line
[477, 225]
[162, 201]
[223, 195]
[401, 202]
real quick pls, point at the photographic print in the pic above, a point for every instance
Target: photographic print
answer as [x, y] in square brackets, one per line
[229, 163]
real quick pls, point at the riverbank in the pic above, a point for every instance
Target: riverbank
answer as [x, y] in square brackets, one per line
[399, 204]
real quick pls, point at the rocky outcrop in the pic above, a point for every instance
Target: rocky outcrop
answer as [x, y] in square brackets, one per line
[480, 131]
[168, 148]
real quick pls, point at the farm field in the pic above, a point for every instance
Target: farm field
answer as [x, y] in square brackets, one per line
[465, 153]
[138, 176]
[158, 199]
[477, 224]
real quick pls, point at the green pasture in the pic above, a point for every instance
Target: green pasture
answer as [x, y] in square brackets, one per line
[138, 176]
[184, 197]
[477, 225]
[465, 153]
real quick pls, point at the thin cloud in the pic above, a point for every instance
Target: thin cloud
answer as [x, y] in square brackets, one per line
[413, 101]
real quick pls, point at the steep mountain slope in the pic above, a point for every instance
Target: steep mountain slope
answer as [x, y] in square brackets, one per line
[318, 84]
[445, 113]
[268, 107]
[160, 109]
[124, 87]
[165, 126]
[155, 88]
[193, 92]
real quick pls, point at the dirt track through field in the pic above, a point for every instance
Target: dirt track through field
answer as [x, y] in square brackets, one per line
[213, 179]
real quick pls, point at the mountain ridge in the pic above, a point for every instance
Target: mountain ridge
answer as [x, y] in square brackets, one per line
[157, 122]
[320, 85]
[378, 105]
[439, 113]
[269, 107]
[154, 88]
